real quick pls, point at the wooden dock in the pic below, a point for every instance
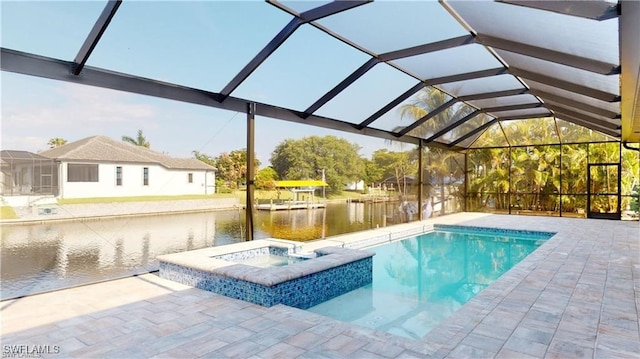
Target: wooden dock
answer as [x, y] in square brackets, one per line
[287, 206]
[372, 199]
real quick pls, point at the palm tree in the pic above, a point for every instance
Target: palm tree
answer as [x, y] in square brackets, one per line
[441, 163]
[56, 142]
[140, 140]
[427, 100]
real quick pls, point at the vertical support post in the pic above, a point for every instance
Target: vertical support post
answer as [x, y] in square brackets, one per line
[561, 177]
[587, 210]
[510, 184]
[420, 177]
[324, 194]
[250, 176]
[466, 181]
[619, 184]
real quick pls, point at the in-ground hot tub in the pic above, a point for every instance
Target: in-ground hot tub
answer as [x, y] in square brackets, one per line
[303, 282]
[271, 256]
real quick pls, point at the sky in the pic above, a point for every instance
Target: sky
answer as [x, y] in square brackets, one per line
[203, 45]
[35, 110]
[200, 51]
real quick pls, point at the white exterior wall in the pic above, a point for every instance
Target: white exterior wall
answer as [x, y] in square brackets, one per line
[355, 186]
[162, 182]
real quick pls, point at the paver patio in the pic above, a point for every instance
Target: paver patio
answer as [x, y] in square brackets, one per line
[577, 296]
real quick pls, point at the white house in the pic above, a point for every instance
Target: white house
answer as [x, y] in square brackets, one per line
[102, 167]
[355, 186]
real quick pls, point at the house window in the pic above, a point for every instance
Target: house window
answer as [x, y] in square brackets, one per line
[118, 176]
[77, 172]
[145, 176]
[190, 177]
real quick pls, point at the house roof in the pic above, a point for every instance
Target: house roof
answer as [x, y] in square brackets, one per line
[8, 157]
[105, 149]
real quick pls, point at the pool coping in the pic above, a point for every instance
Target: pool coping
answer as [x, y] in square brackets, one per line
[204, 260]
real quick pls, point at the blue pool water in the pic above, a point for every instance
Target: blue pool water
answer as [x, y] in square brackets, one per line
[420, 281]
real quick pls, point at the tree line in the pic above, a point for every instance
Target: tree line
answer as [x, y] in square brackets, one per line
[307, 158]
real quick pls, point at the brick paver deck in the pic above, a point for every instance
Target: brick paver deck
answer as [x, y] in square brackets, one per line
[577, 296]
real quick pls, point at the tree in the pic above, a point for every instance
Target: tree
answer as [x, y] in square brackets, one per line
[265, 179]
[204, 158]
[306, 158]
[425, 101]
[372, 172]
[441, 164]
[395, 164]
[140, 140]
[56, 142]
[232, 167]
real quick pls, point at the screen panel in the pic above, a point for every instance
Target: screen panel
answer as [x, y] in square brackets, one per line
[50, 28]
[384, 26]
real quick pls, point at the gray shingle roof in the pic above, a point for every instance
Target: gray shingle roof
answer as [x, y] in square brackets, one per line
[105, 149]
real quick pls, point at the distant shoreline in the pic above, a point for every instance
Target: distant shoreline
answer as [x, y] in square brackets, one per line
[102, 211]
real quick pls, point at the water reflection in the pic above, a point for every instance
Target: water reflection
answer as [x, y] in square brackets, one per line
[337, 218]
[42, 257]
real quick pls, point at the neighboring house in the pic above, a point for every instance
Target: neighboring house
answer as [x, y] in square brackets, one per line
[102, 167]
[355, 186]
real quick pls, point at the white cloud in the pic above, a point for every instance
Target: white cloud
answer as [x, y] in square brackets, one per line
[29, 143]
[69, 111]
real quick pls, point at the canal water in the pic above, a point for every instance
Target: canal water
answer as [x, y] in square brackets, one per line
[42, 257]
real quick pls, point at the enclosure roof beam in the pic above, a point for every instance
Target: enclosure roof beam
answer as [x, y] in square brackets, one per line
[577, 121]
[94, 35]
[398, 100]
[46, 67]
[308, 16]
[466, 76]
[575, 104]
[394, 55]
[569, 86]
[473, 132]
[341, 86]
[525, 117]
[595, 10]
[512, 107]
[329, 9]
[588, 119]
[486, 95]
[257, 60]
[452, 126]
[428, 116]
[558, 57]
[426, 48]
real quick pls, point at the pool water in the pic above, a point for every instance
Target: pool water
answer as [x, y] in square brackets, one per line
[420, 281]
[271, 260]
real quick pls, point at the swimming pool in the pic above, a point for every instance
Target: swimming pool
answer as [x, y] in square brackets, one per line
[420, 281]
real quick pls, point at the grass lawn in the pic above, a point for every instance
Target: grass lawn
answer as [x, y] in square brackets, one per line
[141, 198]
[345, 195]
[6, 212]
